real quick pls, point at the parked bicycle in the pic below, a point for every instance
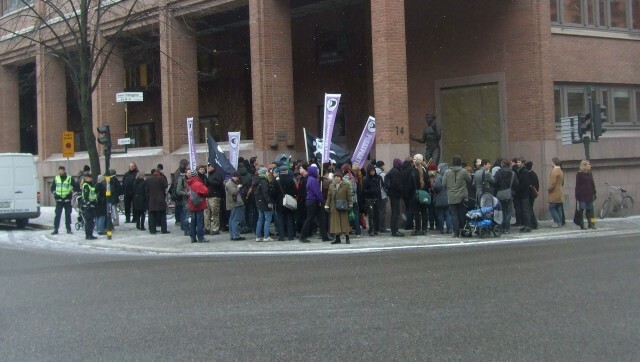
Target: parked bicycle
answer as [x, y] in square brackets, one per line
[618, 203]
[171, 205]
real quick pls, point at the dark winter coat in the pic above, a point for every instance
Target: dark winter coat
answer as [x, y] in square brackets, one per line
[215, 183]
[371, 185]
[128, 181]
[440, 192]
[284, 183]
[101, 204]
[262, 195]
[408, 186]
[157, 189]
[585, 187]
[524, 183]
[503, 179]
[314, 194]
[393, 181]
[141, 196]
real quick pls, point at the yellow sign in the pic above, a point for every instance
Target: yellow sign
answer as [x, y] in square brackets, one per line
[67, 144]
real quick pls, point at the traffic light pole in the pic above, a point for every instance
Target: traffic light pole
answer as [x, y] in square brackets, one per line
[106, 142]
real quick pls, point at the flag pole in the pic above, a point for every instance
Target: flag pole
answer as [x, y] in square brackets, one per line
[206, 134]
[306, 146]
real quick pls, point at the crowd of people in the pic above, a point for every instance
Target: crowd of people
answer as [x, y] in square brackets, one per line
[333, 201]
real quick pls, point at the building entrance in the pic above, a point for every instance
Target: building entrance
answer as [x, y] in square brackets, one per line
[471, 122]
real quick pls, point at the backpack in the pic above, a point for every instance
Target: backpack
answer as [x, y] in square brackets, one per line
[196, 199]
[172, 192]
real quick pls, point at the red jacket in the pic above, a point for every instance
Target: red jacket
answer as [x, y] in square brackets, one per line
[198, 187]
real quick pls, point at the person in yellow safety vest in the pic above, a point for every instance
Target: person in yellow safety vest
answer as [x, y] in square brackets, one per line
[89, 199]
[62, 189]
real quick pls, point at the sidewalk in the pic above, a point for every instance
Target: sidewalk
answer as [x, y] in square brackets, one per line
[128, 239]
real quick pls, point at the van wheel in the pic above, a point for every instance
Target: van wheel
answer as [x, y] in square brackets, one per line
[21, 223]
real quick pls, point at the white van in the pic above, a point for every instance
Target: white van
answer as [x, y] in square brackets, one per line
[19, 188]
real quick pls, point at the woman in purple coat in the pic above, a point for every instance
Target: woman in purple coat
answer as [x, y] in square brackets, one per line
[585, 194]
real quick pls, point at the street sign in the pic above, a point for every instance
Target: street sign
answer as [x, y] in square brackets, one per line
[68, 147]
[126, 141]
[129, 97]
[569, 130]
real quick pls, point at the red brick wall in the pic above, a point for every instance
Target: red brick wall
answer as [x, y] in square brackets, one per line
[458, 39]
[105, 108]
[271, 71]
[52, 104]
[594, 60]
[179, 78]
[389, 71]
[9, 110]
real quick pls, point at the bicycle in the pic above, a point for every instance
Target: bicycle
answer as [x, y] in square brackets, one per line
[619, 205]
[171, 205]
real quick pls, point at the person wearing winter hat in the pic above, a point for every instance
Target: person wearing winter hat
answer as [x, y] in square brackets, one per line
[235, 205]
[339, 190]
[441, 201]
[264, 203]
[313, 200]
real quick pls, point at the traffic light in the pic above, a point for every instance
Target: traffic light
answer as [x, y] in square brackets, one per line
[105, 136]
[599, 117]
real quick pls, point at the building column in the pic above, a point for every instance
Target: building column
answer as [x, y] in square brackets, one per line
[51, 85]
[271, 77]
[179, 77]
[390, 94]
[105, 109]
[9, 110]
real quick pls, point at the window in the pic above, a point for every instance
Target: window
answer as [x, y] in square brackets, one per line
[11, 5]
[144, 135]
[603, 14]
[554, 11]
[212, 126]
[622, 105]
[78, 141]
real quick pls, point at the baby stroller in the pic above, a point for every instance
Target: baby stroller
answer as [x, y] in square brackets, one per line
[77, 202]
[487, 219]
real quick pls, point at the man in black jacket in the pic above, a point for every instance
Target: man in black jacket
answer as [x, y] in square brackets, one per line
[393, 183]
[128, 181]
[521, 200]
[215, 186]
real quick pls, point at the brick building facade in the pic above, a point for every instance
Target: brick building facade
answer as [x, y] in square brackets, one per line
[498, 75]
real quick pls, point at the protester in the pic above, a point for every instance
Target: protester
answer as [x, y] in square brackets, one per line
[235, 205]
[179, 211]
[339, 192]
[182, 198]
[128, 181]
[313, 201]
[371, 192]
[382, 208]
[456, 180]
[421, 181]
[441, 202]
[215, 191]
[264, 203]
[197, 194]
[349, 177]
[101, 206]
[534, 191]
[506, 182]
[141, 199]
[285, 217]
[522, 196]
[156, 189]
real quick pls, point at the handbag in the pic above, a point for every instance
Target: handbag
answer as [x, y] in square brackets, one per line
[341, 205]
[423, 197]
[352, 216]
[506, 195]
[577, 217]
[288, 201]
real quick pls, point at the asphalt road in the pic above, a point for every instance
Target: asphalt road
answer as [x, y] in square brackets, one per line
[556, 300]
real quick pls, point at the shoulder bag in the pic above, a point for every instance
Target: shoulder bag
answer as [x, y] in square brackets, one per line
[288, 201]
[505, 195]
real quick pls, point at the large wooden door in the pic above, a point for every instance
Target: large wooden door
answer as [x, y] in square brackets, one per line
[471, 122]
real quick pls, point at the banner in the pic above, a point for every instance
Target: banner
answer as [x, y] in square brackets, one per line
[367, 139]
[331, 103]
[234, 148]
[217, 157]
[193, 161]
[314, 146]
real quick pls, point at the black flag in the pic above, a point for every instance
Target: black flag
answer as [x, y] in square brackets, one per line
[314, 149]
[217, 157]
